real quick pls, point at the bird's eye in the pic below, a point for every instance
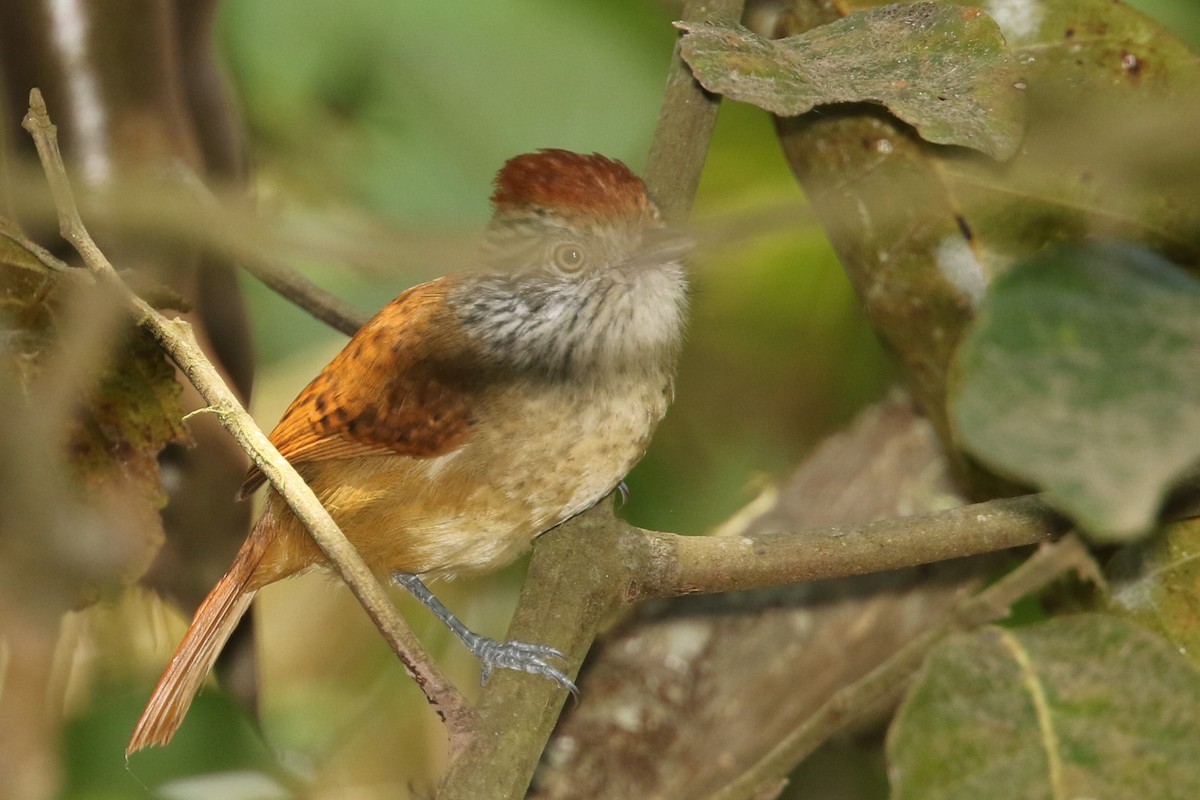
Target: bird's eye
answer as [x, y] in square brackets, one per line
[568, 257]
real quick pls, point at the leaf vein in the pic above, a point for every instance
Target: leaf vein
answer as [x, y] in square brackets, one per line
[1037, 694]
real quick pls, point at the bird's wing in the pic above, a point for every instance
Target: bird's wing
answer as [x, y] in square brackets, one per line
[389, 392]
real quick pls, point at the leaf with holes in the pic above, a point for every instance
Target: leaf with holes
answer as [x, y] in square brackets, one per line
[1081, 375]
[942, 69]
[1083, 706]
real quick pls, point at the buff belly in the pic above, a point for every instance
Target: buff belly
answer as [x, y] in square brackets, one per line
[441, 516]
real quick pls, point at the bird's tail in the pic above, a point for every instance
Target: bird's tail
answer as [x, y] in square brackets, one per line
[215, 620]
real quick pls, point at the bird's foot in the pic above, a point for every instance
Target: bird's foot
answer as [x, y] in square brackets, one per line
[521, 656]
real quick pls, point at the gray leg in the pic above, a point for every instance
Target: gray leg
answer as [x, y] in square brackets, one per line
[506, 655]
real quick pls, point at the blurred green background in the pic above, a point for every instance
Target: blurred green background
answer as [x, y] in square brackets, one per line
[374, 112]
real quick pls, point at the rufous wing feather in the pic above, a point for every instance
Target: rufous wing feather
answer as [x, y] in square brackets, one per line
[389, 392]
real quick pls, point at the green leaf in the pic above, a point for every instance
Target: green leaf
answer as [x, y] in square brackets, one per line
[1108, 153]
[1155, 582]
[943, 69]
[1083, 706]
[1081, 375]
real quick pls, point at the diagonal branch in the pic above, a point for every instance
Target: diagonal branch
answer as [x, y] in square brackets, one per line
[286, 282]
[298, 289]
[178, 341]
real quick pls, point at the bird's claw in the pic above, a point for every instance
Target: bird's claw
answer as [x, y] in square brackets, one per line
[521, 656]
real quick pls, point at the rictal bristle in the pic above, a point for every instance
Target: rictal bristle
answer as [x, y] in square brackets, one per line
[570, 184]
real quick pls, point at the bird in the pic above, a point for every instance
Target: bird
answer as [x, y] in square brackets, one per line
[475, 411]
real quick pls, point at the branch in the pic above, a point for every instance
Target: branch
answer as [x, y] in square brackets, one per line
[685, 123]
[280, 278]
[693, 564]
[178, 341]
[291, 285]
[569, 594]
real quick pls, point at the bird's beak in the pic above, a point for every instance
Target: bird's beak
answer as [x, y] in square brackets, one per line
[661, 246]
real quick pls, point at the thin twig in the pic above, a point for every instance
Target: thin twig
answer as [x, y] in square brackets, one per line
[280, 278]
[178, 341]
[1045, 566]
[291, 285]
